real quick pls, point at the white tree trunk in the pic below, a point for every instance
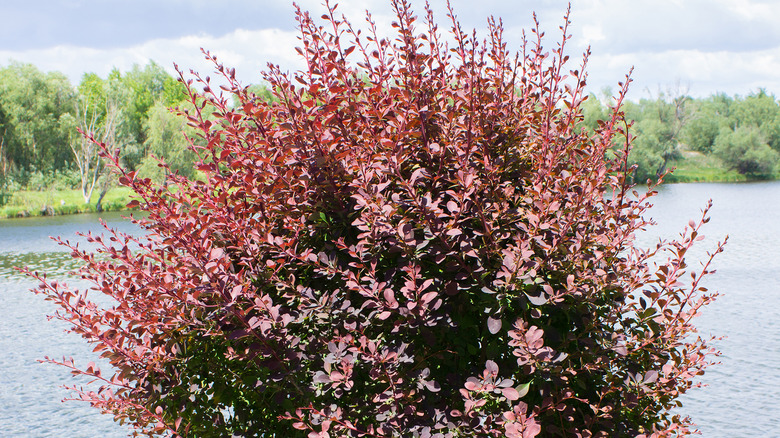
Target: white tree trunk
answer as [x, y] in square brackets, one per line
[86, 152]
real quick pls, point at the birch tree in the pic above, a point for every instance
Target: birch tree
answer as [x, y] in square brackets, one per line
[100, 124]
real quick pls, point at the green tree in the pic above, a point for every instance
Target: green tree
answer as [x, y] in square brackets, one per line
[757, 109]
[146, 85]
[646, 158]
[117, 111]
[34, 104]
[167, 138]
[173, 92]
[97, 116]
[771, 131]
[659, 124]
[593, 111]
[653, 148]
[141, 88]
[762, 111]
[710, 115]
[745, 149]
[6, 138]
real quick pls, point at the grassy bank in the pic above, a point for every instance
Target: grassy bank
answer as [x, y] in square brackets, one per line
[697, 167]
[690, 167]
[24, 203]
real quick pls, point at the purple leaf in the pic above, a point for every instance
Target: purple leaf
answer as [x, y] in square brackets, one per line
[471, 384]
[651, 376]
[510, 393]
[494, 325]
[433, 386]
[321, 377]
[537, 300]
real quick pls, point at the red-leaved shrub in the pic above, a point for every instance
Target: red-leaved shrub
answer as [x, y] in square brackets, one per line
[411, 240]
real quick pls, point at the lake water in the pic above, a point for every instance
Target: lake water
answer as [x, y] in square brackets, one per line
[30, 392]
[743, 396]
[741, 401]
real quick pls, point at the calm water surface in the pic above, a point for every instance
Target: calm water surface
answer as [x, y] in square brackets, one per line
[30, 392]
[743, 396]
[741, 400]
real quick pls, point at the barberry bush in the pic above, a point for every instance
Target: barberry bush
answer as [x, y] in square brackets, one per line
[413, 238]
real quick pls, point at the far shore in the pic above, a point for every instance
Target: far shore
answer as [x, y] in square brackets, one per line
[29, 203]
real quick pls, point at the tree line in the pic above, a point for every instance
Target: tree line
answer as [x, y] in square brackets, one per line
[742, 132]
[42, 116]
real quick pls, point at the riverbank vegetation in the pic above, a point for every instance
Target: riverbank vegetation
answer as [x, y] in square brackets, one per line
[43, 154]
[717, 138]
[48, 167]
[53, 202]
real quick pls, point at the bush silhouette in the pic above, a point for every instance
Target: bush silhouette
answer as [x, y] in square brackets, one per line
[410, 240]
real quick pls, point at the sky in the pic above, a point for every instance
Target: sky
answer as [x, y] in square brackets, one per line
[698, 47]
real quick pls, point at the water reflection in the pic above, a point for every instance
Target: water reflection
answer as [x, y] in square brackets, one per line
[54, 264]
[30, 392]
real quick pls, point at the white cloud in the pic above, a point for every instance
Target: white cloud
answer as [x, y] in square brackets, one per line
[661, 25]
[705, 72]
[593, 34]
[714, 45]
[753, 10]
[248, 51]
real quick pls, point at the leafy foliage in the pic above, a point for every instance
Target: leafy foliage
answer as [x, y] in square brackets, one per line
[409, 240]
[710, 116]
[41, 113]
[166, 140]
[659, 127]
[746, 150]
[33, 105]
[671, 129]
